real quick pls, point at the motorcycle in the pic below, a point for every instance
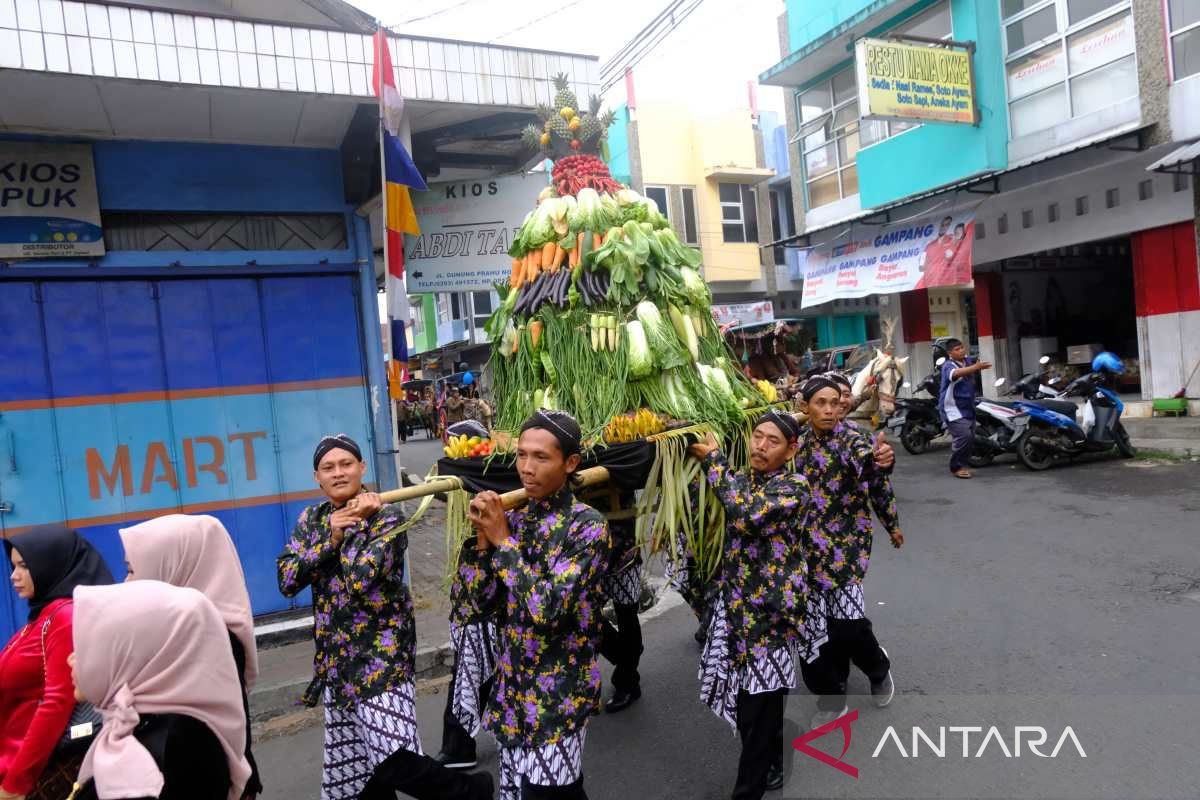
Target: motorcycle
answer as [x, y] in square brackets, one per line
[1046, 436]
[916, 421]
[996, 430]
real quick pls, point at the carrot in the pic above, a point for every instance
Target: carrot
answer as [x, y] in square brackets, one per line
[530, 270]
[514, 280]
[535, 332]
[560, 256]
[597, 240]
[548, 254]
[573, 258]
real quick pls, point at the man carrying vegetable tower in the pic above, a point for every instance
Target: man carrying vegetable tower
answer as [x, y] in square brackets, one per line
[761, 623]
[848, 476]
[538, 572]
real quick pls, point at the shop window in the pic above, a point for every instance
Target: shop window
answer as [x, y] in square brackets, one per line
[1081, 206]
[980, 230]
[1146, 189]
[1026, 219]
[1181, 182]
[659, 195]
[443, 308]
[1052, 212]
[1067, 58]
[739, 214]
[483, 304]
[690, 235]
[416, 315]
[829, 142]
[1112, 198]
[1183, 28]
[1002, 224]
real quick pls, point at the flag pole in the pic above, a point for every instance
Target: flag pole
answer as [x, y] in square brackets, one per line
[387, 299]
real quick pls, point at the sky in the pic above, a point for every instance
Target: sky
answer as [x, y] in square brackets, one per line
[705, 63]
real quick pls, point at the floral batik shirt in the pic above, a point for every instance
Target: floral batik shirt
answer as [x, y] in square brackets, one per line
[543, 587]
[846, 485]
[761, 619]
[763, 573]
[362, 612]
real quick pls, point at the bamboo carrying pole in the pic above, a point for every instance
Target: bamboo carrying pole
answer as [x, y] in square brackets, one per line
[515, 499]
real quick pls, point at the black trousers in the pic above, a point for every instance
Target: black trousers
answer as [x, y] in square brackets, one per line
[850, 641]
[457, 740]
[572, 791]
[760, 726]
[421, 777]
[622, 646]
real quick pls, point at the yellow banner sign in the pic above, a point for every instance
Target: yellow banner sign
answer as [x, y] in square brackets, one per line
[922, 82]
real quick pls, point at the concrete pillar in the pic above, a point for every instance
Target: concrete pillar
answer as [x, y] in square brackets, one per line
[993, 328]
[913, 338]
[1166, 282]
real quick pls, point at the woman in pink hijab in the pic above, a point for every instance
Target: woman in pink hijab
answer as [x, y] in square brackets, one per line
[154, 660]
[197, 552]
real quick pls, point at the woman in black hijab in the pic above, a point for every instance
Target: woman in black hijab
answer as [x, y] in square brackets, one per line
[36, 692]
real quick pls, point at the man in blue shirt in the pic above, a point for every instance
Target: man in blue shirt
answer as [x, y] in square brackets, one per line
[956, 402]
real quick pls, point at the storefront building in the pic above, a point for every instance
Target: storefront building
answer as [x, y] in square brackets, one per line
[1081, 227]
[201, 304]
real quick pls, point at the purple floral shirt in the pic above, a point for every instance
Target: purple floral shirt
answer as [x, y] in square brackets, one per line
[543, 589]
[846, 485]
[363, 618]
[763, 574]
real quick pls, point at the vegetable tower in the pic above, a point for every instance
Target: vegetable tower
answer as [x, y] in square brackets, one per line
[605, 314]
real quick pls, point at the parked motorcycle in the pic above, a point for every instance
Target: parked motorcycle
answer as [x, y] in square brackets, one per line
[1046, 436]
[996, 430]
[916, 420]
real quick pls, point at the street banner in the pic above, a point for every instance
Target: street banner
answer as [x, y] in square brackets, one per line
[49, 207]
[744, 313]
[466, 230]
[920, 82]
[932, 251]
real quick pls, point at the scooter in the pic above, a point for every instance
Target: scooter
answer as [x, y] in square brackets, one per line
[1046, 436]
[996, 430]
[916, 420]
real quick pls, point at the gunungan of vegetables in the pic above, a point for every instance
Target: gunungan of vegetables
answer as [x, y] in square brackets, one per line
[572, 138]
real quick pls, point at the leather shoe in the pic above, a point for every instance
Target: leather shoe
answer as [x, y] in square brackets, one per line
[464, 760]
[775, 777]
[622, 700]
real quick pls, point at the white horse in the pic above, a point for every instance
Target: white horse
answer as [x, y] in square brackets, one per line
[888, 374]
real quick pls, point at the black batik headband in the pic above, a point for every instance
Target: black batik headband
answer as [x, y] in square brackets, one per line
[816, 384]
[338, 442]
[786, 423]
[561, 425]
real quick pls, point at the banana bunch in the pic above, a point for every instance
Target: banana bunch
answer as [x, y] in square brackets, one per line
[633, 426]
[467, 447]
[767, 390]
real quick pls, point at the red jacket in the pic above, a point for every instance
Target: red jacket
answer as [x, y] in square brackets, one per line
[36, 699]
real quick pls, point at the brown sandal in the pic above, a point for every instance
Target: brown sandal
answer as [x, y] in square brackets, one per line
[964, 474]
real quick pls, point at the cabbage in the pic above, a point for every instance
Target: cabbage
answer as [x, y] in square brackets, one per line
[664, 345]
[694, 288]
[587, 210]
[641, 363]
[628, 197]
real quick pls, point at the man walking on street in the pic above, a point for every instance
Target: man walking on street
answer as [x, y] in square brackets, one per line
[538, 572]
[350, 550]
[956, 402]
[761, 622]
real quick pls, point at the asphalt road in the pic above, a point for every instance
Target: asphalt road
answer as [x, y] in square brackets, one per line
[1066, 598]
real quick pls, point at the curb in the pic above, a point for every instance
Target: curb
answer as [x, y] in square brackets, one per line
[269, 702]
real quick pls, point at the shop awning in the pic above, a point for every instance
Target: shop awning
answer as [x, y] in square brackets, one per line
[1183, 161]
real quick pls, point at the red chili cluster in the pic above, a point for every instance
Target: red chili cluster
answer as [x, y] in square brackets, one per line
[572, 173]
